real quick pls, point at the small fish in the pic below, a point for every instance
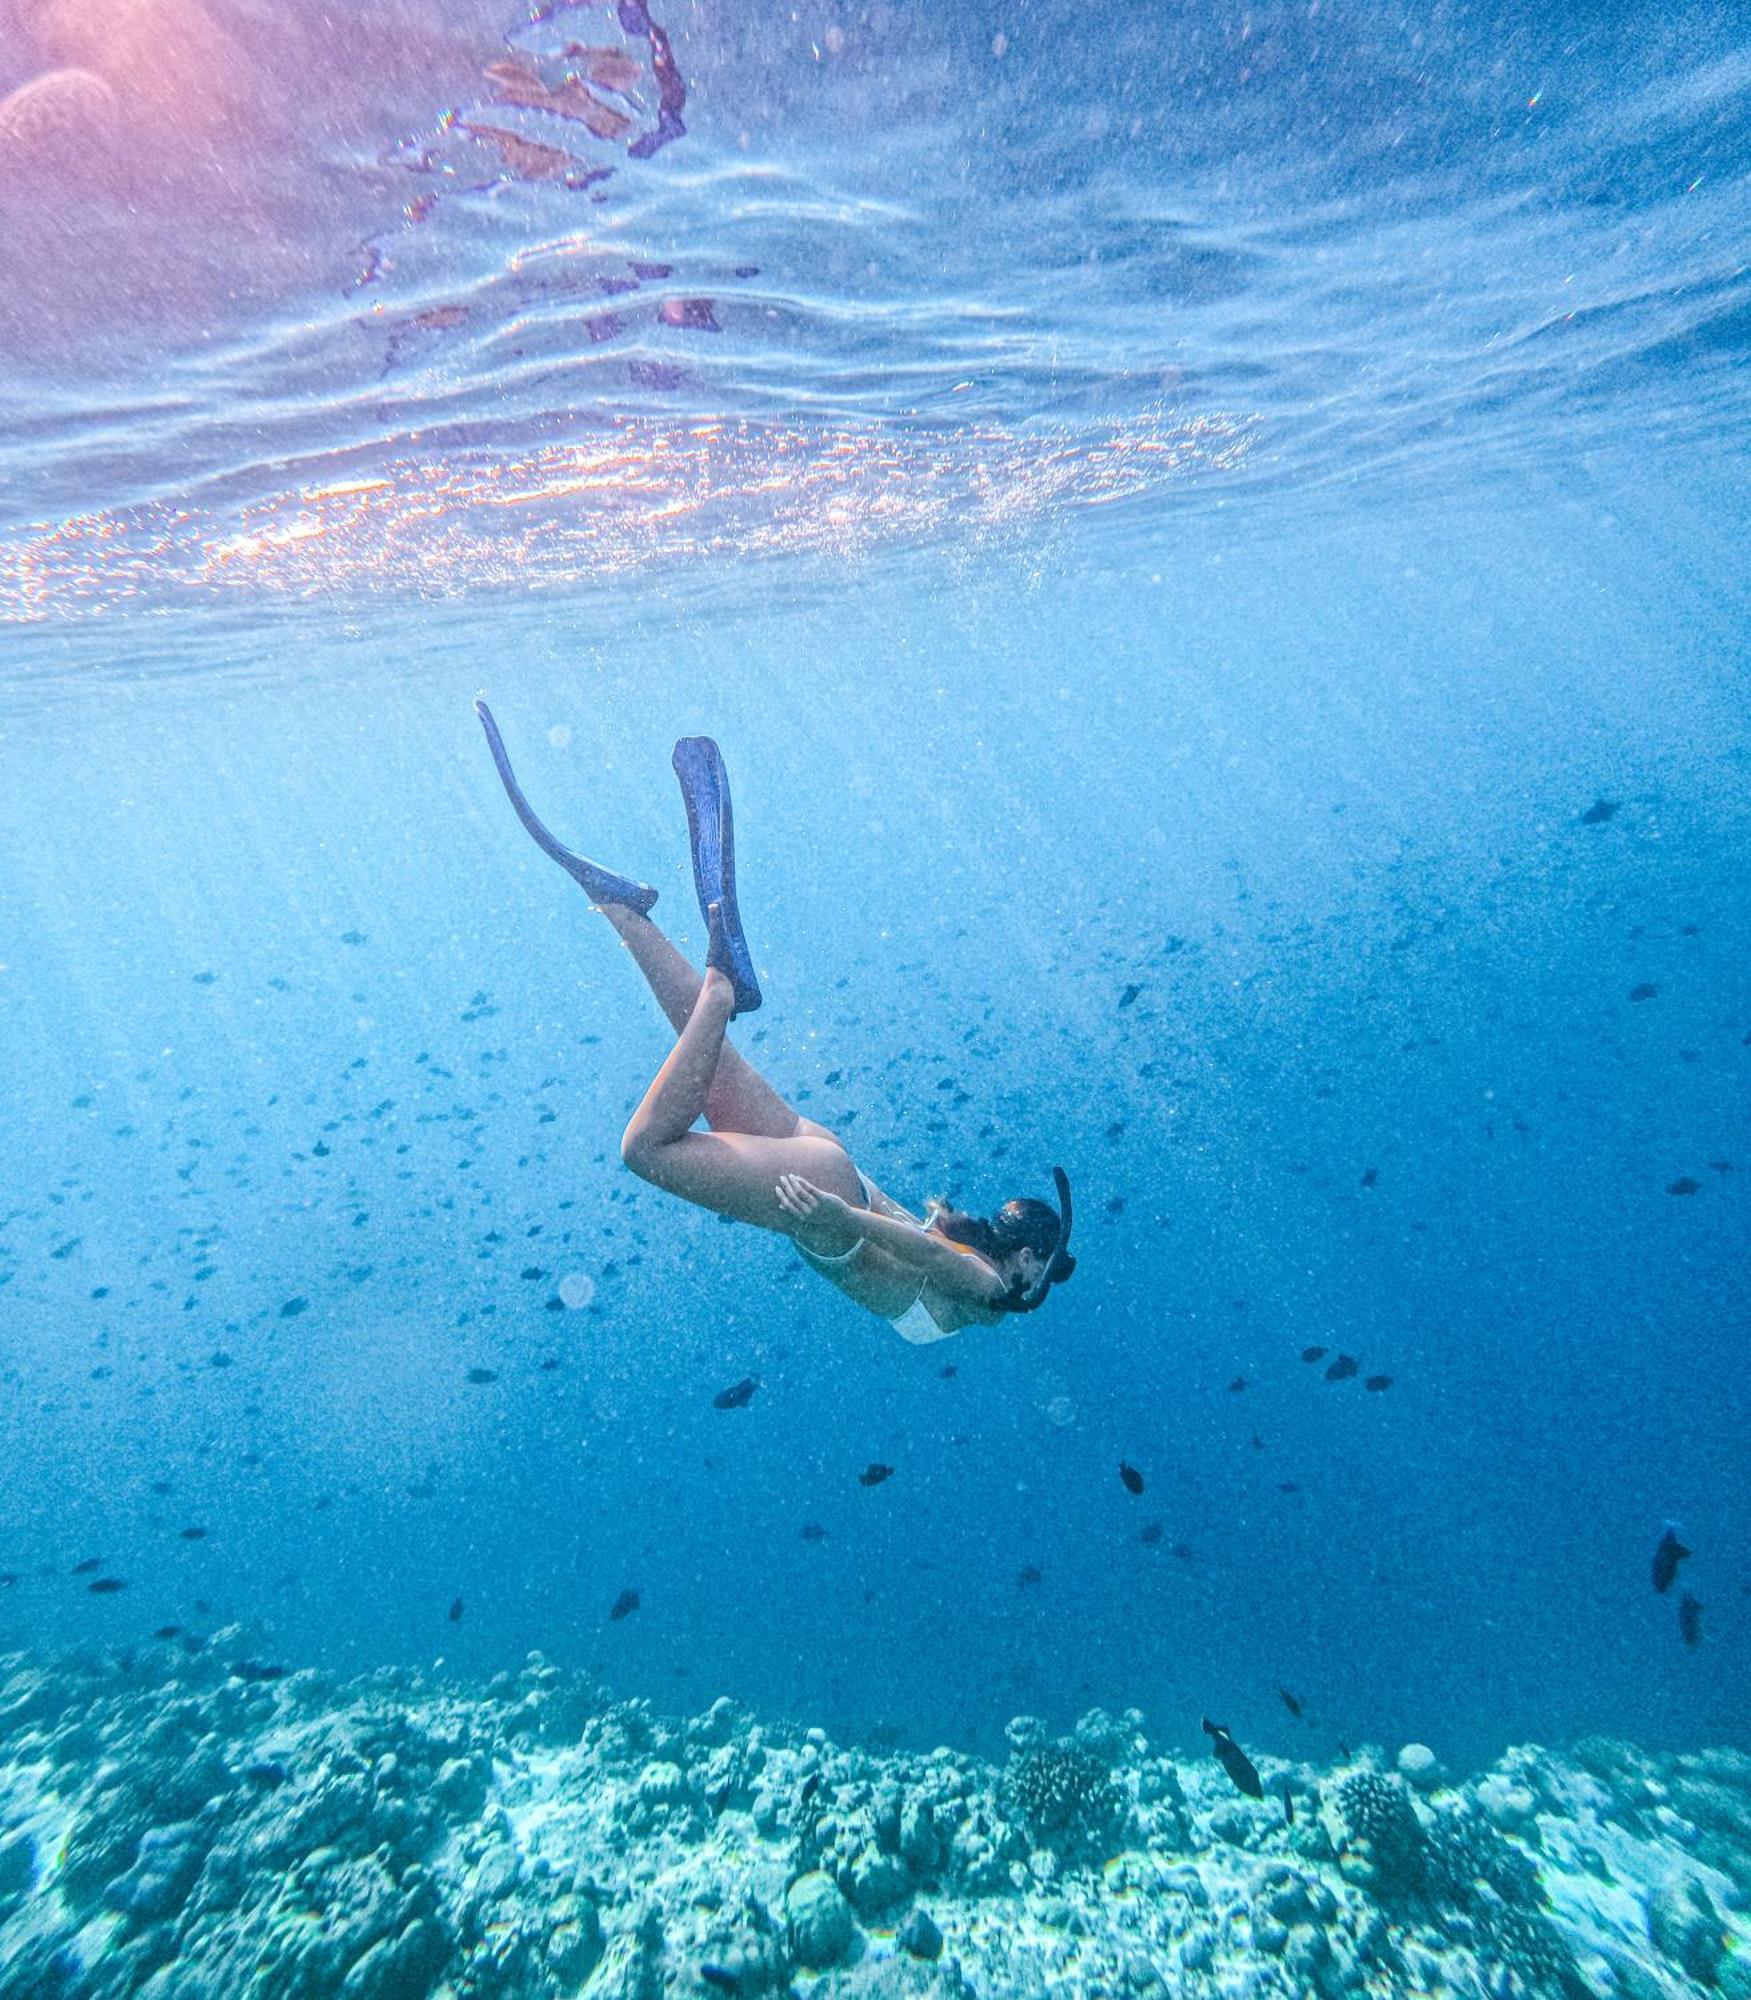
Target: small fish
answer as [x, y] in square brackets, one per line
[874, 1474]
[1234, 1760]
[1235, 1387]
[1182, 1551]
[812, 1531]
[193, 1535]
[105, 1586]
[1130, 993]
[1132, 1478]
[1378, 1382]
[1690, 1619]
[1313, 1354]
[1646, 991]
[1342, 1368]
[1370, 1176]
[1027, 1576]
[1670, 1553]
[168, 1632]
[456, 1609]
[1288, 1805]
[720, 1977]
[480, 1376]
[1599, 812]
[624, 1605]
[259, 1671]
[948, 1371]
[1684, 1185]
[738, 1396]
[87, 1565]
[1289, 1701]
[1150, 1534]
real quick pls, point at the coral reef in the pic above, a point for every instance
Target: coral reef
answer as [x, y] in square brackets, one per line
[196, 1826]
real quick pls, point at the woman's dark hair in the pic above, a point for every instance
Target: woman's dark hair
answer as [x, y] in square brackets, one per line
[1021, 1224]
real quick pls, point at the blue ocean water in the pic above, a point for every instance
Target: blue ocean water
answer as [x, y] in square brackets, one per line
[1212, 542]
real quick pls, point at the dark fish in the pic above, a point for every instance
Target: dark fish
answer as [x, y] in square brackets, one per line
[161, 1487]
[1235, 1387]
[1312, 1354]
[1288, 1805]
[1670, 1553]
[85, 1567]
[105, 1586]
[1690, 1619]
[1027, 1576]
[1133, 1479]
[1646, 991]
[721, 1977]
[624, 1605]
[1342, 1368]
[193, 1535]
[456, 1608]
[738, 1396]
[813, 1532]
[1234, 1760]
[1599, 812]
[293, 1307]
[1130, 993]
[1685, 1185]
[1288, 1701]
[948, 1371]
[480, 1376]
[259, 1671]
[1378, 1382]
[1183, 1551]
[873, 1475]
[168, 1632]
[1370, 1176]
[1150, 1534]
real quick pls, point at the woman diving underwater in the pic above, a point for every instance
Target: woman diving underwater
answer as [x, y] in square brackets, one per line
[762, 1162]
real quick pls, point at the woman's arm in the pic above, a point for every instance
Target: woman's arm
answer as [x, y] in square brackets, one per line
[917, 1249]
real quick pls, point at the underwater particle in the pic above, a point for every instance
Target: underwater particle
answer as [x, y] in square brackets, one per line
[1689, 1619]
[456, 1608]
[1599, 812]
[105, 1586]
[1667, 1556]
[1289, 1701]
[812, 1531]
[1130, 1477]
[1378, 1383]
[1342, 1368]
[1060, 1412]
[1130, 993]
[1150, 1533]
[624, 1605]
[1312, 1354]
[1182, 1551]
[192, 1535]
[293, 1307]
[738, 1395]
[481, 1376]
[874, 1473]
[576, 1290]
[1370, 1176]
[1646, 991]
[1234, 1760]
[1684, 1185]
[1720, 1166]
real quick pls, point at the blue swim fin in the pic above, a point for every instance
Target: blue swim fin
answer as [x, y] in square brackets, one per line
[705, 786]
[601, 885]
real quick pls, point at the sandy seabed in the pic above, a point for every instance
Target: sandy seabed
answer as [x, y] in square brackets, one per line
[198, 1825]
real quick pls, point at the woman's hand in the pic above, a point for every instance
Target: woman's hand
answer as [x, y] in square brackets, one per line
[805, 1201]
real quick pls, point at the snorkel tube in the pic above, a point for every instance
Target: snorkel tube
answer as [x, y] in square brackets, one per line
[1035, 1295]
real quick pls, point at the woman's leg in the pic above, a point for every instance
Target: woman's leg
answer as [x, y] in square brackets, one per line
[737, 1097]
[730, 1172]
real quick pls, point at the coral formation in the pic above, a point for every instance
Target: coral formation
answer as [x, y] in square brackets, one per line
[180, 1831]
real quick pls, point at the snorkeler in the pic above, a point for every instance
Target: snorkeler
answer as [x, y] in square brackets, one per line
[762, 1162]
